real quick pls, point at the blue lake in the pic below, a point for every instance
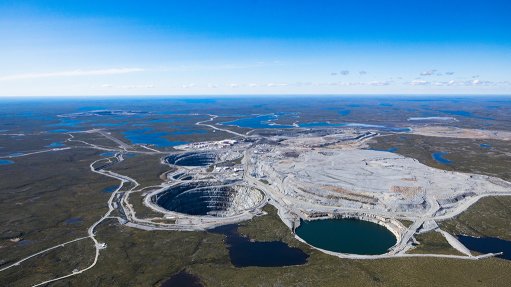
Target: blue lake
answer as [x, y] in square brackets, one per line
[344, 112]
[60, 131]
[147, 136]
[165, 120]
[258, 122]
[465, 114]
[245, 252]
[487, 245]
[391, 149]
[55, 145]
[439, 157]
[182, 279]
[107, 124]
[110, 189]
[189, 132]
[6, 162]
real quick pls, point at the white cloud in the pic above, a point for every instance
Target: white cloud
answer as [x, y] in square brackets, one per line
[379, 83]
[428, 72]
[189, 86]
[277, 85]
[350, 84]
[137, 87]
[470, 83]
[419, 83]
[127, 87]
[71, 73]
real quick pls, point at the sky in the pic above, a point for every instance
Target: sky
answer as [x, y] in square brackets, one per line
[257, 47]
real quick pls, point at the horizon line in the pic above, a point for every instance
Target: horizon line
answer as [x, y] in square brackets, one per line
[282, 95]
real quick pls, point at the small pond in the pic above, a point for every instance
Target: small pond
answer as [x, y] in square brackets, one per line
[487, 245]
[6, 162]
[245, 252]
[182, 279]
[439, 157]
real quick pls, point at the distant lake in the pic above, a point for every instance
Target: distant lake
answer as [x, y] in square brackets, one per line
[61, 131]
[319, 124]
[258, 122]
[344, 112]
[147, 136]
[465, 114]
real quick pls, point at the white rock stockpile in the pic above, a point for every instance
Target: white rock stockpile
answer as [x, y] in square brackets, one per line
[370, 180]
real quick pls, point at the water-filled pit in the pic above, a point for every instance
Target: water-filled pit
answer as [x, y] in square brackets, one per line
[347, 235]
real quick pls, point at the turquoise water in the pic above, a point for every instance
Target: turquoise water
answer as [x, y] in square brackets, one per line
[347, 236]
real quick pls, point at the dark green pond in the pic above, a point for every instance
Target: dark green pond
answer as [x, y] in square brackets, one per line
[347, 236]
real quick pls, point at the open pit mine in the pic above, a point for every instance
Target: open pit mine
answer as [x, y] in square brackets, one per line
[310, 175]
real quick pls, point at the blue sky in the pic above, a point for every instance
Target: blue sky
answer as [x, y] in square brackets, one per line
[66, 48]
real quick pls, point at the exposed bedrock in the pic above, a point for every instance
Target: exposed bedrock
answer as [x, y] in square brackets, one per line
[206, 198]
[369, 180]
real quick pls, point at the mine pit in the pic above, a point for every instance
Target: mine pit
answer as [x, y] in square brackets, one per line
[206, 198]
[191, 159]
